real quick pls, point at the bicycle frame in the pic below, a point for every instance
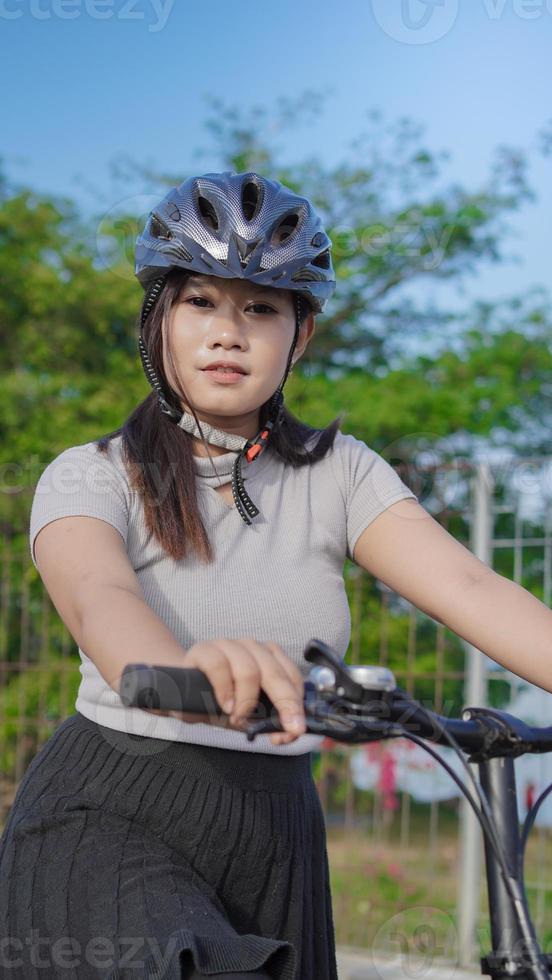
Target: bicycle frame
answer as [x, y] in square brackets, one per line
[498, 781]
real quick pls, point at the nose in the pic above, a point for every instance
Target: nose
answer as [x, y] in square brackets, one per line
[226, 328]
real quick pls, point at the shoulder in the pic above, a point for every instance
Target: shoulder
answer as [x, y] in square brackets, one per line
[86, 469]
[356, 455]
[335, 448]
[360, 469]
[82, 481]
[347, 445]
[342, 443]
[87, 456]
[347, 453]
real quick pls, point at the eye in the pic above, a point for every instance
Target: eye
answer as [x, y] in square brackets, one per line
[266, 307]
[203, 299]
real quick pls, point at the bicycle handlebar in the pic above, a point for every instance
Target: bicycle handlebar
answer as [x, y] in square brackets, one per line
[347, 703]
[357, 704]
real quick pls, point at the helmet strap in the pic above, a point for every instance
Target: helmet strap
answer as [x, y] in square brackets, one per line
[152, 294]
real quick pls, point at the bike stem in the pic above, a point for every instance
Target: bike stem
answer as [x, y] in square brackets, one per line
[508, 958]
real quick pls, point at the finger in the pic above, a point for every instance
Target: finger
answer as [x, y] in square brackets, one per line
[212, 660]
[280, 689]
[246, 677]
[291, 669]
[282, 738]
[294, 675]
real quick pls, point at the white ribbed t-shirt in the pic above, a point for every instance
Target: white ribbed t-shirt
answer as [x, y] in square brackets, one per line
[279, 579]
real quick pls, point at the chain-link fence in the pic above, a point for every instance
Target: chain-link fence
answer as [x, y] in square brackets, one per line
[403, 853]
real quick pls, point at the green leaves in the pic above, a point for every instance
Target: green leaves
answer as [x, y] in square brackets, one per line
[69, 302]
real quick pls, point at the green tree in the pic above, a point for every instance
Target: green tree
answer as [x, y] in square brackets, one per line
[69, 306]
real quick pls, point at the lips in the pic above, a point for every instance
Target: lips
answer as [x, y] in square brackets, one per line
[227, 365]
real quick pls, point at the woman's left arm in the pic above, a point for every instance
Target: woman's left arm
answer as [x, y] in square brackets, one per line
[409, 551]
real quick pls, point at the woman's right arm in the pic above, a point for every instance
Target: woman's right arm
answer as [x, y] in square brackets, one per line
[86, 571]
[85, 568]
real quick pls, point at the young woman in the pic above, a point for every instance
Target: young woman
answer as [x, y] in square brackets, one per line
[210, 531]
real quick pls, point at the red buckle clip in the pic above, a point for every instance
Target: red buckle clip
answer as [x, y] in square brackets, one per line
[257, 447]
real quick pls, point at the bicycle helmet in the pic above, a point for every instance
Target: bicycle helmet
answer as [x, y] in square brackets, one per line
[235, 225]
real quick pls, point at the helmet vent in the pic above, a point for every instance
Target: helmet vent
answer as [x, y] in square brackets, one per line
[305, 275]
[284, 229]
[158, 228]
[322, 260]
[173, 212]
[208, 212]
[252, 199]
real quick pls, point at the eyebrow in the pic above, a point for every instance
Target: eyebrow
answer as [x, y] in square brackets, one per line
[200, 280]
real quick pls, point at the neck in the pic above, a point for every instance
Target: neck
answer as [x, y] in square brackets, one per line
[199, 449]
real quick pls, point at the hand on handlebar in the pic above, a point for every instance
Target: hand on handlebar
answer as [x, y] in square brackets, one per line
[237, 671]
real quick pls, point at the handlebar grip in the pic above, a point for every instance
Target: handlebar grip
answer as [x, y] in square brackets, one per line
[185, 689]
[167, 688]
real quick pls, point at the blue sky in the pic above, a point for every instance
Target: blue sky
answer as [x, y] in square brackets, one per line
[89, 80]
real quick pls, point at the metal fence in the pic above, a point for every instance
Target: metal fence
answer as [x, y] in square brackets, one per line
[397, 863]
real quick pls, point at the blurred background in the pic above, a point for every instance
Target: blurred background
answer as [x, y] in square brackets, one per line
[422, 130]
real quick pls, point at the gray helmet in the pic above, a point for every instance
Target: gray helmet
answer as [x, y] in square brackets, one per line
[239, 225]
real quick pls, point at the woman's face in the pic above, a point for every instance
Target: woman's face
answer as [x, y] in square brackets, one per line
[217, 319]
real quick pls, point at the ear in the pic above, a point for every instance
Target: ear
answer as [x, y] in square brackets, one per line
[306, 331]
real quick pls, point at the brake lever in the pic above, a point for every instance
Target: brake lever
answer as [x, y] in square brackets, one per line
[334, 702]
[322, 718]
[319, 653]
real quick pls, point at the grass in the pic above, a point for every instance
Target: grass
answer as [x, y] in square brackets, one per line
[389, 896]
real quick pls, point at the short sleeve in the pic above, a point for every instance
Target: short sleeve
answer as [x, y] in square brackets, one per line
[81, 481]
[370, 484]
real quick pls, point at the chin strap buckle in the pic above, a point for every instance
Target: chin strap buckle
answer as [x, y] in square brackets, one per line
[258, 445]
[167, 409]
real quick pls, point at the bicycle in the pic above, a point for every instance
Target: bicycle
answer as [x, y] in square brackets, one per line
[356, 704]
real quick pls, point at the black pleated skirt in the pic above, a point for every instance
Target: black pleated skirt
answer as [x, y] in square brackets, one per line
[132, 857]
